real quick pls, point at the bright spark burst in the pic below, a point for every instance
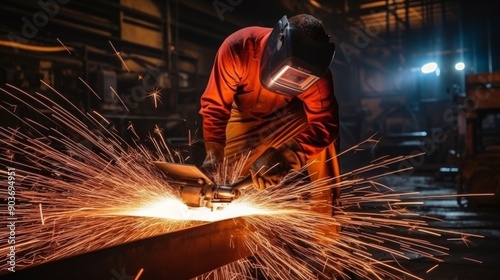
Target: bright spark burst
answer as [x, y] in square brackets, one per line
[60, 42]
[75, 196]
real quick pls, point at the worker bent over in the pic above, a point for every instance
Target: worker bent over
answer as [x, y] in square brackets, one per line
[270, 95]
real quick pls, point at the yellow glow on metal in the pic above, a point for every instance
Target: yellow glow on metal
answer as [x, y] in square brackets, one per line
[174, 209]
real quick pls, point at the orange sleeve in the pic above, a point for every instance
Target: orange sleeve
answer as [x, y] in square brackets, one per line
[217, 98]
[321, 109]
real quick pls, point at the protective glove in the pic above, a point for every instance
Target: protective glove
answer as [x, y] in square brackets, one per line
[214, 157]
[270, 168]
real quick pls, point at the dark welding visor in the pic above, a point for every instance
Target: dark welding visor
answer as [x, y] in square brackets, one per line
[292, 61]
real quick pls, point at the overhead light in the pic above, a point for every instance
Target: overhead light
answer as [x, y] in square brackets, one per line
[429, 67]
[460, 66]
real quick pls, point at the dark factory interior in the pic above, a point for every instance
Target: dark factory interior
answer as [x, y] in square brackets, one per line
[418, 79]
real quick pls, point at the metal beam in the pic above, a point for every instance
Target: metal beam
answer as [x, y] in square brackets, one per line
[182, 254]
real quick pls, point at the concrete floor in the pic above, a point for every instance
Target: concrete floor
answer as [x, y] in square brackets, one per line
[483, 220]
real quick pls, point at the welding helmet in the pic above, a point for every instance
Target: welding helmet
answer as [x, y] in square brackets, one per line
[292, 61]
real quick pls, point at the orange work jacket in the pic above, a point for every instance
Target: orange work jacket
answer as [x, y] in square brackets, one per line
[234, 86]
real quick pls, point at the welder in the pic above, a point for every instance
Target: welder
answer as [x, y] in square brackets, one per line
[270, 99]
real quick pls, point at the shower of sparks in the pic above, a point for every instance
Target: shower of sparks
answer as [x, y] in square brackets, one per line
[98, 190]
[60, 42]
[464, 239]
[119, 56]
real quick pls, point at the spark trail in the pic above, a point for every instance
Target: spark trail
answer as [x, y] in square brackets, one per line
[80, 187]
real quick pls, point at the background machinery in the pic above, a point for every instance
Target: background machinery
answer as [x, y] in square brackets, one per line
[479, 139]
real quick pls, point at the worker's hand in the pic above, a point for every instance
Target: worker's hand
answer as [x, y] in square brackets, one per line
[214, 157]
[269, 169]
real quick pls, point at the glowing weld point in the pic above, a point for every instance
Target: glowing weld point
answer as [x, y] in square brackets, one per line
[116, 94]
